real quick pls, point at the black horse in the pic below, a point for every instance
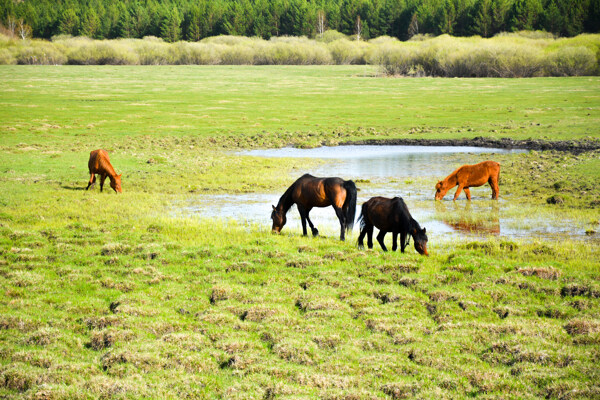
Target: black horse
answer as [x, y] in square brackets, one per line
[308, 192]
[390, 215]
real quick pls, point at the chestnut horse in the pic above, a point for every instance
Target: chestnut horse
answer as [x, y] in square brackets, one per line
[308, 192]
[390, 215]
[470, 176]
[99, 163]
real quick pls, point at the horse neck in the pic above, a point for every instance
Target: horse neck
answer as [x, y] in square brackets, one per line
[286, 201]
[112, 174]
[452, 179]
[413, 224]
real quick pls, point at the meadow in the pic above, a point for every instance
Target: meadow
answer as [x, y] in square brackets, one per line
[114, 296]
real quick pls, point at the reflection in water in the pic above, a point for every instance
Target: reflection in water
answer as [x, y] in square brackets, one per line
[461, 218]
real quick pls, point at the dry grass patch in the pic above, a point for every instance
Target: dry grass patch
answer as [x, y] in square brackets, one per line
[110, 249]
[297, 351]
[582, 326]
[257, 314]
[401, 390]
[541, 272]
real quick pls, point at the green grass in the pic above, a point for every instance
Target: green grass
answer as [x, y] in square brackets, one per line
[95, 105]
[106, 296]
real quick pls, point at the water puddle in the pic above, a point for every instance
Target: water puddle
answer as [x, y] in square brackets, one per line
[389, 171]
[374, 162]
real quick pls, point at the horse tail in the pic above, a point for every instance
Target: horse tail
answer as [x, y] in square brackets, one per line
[361, 218]
[350, 204]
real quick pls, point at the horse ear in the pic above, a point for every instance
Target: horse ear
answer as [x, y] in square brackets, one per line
[273, 206]
[424, 230]
[120, 176]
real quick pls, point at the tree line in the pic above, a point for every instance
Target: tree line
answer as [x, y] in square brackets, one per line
[193, 20]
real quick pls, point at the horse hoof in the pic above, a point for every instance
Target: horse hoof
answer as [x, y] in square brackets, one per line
[315, 232]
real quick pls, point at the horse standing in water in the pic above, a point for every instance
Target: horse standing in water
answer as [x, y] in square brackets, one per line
[390, 215]
[470, 176]
[99, 163]
[308, 192]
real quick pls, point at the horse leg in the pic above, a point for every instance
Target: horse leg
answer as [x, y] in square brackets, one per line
[460, 187]
[342, 218]
[102, 179]
[92, 182]
[495, 188]
[380, 238]
[303, 217]
[369, 229]
[402, 241]
[394, 241]
[314, 230]
[468, 193]
[361, 236]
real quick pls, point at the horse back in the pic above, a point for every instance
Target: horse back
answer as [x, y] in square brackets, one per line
[311, 191]
[99, 163]
[386, 214]
[478, 174]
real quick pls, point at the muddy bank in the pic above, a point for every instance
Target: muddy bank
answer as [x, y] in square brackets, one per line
[572, 146]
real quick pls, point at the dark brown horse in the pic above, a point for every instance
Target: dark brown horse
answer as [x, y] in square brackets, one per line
[390, 215]
[308, 192]
[470, 176]
[99, 163]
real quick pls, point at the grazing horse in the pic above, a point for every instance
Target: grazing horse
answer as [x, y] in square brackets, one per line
[308, 192]
[470, 176]
[390, 215]
[100, 164]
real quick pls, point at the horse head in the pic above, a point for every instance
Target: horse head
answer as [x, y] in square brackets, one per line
[420, 239]
[441, 188]
[279, 219]
[116, 184]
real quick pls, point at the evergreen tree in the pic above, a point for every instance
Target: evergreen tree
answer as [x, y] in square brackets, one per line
[524, 15]
[170, 29]
[90, 24]
[68, 22]
[484, 17]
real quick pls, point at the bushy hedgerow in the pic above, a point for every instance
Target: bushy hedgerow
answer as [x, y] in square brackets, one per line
[520, 54]
[505, 56]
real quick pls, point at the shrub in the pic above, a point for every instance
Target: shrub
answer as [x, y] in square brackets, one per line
[296, 52]
[394, 59]
[344, 51]
[572, 61]
[38, 52]
[105, 52]
[521, 54]
[152, 51]
[332, 35]
[7, 57]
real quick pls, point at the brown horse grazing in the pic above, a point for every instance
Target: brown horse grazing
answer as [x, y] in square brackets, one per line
[470, 176]
[100, 164]
[308, 192]
[390, 215]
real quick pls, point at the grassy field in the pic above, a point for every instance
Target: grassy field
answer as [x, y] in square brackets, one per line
[107, 296]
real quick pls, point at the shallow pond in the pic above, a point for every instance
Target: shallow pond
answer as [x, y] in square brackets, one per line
[406, 171]
[372, 162]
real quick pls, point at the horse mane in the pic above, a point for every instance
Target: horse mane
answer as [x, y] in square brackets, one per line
[453, 177]
[400, 208]
[286, 201]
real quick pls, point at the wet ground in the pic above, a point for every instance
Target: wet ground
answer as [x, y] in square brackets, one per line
[406, 171]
